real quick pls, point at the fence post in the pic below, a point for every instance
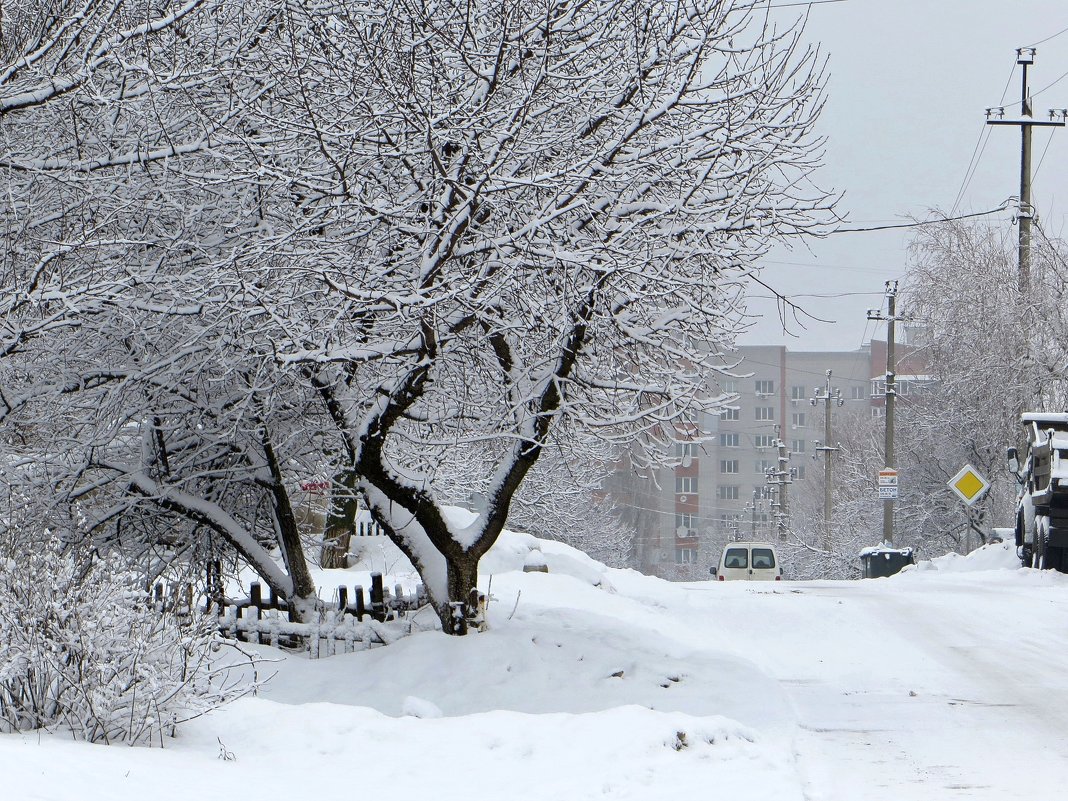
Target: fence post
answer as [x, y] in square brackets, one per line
[256, 602]
[342, 598]
[213, 579]
[378, 600]
[360, 610]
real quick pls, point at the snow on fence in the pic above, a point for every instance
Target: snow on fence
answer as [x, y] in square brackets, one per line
[340, 627]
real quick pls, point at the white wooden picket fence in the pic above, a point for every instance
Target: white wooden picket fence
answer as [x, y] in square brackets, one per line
[351, 622]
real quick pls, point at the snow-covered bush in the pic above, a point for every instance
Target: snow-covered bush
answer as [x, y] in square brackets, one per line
[82, 650]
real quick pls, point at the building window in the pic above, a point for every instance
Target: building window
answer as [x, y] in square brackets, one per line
[728, 440]
[763, 465]
[686, 484]
[685, 556]
[730, 413]
[797, 393]
[683, 523]
[727, 492]
[764, 387]
[765, 412]
[764, 441]
[728, 465]
[856, 392]
[797, 446]
[729, 385]
[728, 523]
[798, 420]
[683, 449]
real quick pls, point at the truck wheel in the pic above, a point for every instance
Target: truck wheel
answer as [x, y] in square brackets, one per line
[1042, 549]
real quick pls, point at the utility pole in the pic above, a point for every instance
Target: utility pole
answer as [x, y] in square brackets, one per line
[1025, 57]
[828, 396]
[752, 508]
[781, 476]
[891, 317]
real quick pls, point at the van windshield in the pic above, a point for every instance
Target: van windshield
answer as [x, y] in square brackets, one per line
[763, 558]
[736, 557]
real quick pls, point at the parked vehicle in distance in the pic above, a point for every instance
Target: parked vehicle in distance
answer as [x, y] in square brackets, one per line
[748, 561]
[1042, 496]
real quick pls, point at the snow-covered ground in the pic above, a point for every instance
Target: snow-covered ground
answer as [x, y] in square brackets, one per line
[943, 682]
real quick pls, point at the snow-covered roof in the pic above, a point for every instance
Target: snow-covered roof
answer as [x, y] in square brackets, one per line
[1053, 418]
[884, 549]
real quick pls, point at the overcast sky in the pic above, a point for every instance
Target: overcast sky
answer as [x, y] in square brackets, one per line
[909, 84]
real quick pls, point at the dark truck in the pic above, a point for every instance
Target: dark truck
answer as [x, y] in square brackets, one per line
[1042, 497]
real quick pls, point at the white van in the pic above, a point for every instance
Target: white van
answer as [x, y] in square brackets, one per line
[748, 561]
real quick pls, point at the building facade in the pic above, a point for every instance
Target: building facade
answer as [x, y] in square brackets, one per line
[724, 486]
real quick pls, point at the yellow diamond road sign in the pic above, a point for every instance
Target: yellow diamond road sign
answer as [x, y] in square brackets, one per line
[969, 485]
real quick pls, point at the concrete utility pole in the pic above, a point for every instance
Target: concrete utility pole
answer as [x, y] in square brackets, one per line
[752, 508]
[828, 396]
[781, 476]
[891, 317]
[1025, 57]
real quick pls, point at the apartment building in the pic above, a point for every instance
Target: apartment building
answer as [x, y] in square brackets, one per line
[720, 489]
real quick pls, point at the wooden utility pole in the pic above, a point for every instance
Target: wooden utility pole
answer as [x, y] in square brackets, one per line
[890, 395]
[1025, 57]
[829, 397]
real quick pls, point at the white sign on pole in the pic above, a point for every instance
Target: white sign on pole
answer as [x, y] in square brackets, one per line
[887, 484]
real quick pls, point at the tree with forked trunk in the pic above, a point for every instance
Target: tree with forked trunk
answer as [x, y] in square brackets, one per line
[414, 230]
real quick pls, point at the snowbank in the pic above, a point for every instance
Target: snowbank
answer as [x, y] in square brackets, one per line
[993, 556]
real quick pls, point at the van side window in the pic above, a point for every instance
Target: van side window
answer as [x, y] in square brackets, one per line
[736, 557]
[763, 558]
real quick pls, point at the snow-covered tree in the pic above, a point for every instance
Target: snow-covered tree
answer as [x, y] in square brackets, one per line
[388, 231]
[993, 352]
[127, 377]
[532, 214]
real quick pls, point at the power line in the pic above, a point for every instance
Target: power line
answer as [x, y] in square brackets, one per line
[850, 377]
[807, 3]
[1043, 156]
[1000, 208]
[824, 266]
[973, 164]
[1048, 38]
[980, 148]
[1049, 86]
[818, 294]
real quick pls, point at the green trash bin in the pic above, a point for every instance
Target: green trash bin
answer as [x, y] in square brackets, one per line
[882, 561]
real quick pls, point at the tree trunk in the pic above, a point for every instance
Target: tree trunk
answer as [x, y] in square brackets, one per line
[340, 520]
[466, 607]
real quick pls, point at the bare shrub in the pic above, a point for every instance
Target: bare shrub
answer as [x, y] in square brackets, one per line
[82, 650]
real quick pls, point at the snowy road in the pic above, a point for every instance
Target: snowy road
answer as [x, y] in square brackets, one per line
[592, 684]
[920, 687]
